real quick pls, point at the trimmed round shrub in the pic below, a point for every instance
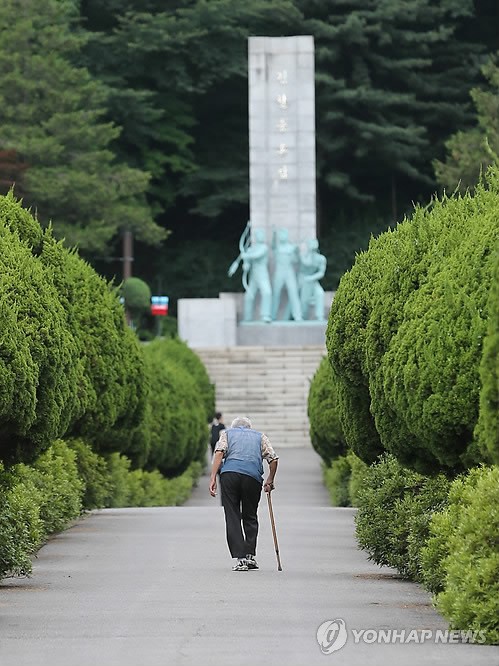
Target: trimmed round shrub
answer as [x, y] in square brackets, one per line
[21, 528]
[345, 479]
[181, 353]
[114, 382]
[326, 433]
[395, 508]
[470, 567]
[487, 431]
[177, 414]
[345, 340]
[425, 388]
[38, 375]
[406, 330]
[94, 473]
[136, 294]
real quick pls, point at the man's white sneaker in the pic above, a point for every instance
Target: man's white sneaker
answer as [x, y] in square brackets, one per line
[240, 566]
[251, 563]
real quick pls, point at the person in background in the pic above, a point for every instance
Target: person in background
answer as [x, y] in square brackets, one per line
[216, 428]
[242, 450]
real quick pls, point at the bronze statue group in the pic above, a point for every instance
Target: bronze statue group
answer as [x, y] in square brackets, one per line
[294, 291]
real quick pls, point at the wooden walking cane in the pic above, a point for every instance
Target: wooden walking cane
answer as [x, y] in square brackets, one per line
[279, 567]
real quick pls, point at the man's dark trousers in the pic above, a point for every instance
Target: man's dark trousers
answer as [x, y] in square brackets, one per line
[240, 496]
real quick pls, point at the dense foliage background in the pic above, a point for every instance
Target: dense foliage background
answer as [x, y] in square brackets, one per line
[132, 114]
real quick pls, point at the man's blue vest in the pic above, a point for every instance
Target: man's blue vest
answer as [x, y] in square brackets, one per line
[244, 452]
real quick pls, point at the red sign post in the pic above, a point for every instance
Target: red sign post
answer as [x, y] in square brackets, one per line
[159, 306]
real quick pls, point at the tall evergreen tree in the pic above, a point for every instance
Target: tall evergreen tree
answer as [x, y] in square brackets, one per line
[178, 71]
[51, 114]
[469, 153]
[391, 81]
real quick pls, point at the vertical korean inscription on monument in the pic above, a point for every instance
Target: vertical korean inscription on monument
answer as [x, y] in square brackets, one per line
[282, 135]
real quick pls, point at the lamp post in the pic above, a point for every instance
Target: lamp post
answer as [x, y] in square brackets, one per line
[127, 260]
[127, 254]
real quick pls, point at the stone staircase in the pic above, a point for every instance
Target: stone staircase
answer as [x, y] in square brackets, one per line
[268, 384]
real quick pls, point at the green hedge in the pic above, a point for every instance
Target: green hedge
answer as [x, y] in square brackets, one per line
[38, 374]
[94, 472]
[69, 363]
[345, 478]
[442, 534]
[461, 557]
[405, 334]
[176, 418]
[413, 340]
[34, 502]
[110, 482]
[395, 508]
[21, 528]
[326, 433]
[185, 357]
[142, 488]
[71, 367]
[487, 431]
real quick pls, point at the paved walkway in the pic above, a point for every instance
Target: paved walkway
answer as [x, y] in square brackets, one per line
[153, 587]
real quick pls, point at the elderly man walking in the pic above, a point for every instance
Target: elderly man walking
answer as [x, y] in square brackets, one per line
[242, 450]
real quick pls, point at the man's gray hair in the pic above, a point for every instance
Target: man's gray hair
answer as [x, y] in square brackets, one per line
[241, 422]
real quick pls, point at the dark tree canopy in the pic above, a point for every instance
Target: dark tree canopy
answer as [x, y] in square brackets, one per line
[145, 125]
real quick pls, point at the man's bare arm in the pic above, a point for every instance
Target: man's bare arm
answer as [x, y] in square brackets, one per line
[217, 461]
[269, 483]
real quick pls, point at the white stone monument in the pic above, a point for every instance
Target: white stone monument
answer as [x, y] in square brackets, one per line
[282, 188]
[282, 135]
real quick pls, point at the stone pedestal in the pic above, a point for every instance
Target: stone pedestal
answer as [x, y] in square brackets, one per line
[216, 322]
[207, 322]
[281, 334]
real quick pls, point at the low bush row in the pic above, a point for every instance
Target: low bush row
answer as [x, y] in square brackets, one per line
[441, 533]
[344, 478]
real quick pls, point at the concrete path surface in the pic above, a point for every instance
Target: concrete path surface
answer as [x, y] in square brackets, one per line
[154, 587]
